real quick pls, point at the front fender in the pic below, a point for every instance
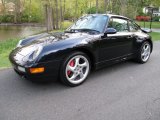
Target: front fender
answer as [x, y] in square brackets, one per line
[59, 50]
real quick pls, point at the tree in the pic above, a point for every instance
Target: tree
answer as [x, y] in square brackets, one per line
[105, 6]
[57, 16]
[4, 8]
[97, 4]
[17, 14]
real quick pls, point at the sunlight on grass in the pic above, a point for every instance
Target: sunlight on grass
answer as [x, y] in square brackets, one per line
[147, 24]
[5, 49]
[155, 36]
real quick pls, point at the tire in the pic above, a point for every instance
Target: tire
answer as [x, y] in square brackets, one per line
[75, 69]
[143, 57]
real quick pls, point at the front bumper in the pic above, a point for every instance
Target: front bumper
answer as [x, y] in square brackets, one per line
[51, 69]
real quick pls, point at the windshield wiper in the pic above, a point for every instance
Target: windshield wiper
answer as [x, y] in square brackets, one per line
[82, 30]
[71, 31]
[87, 29]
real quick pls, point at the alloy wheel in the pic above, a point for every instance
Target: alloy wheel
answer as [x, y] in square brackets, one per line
[77, 69]
[146, 51]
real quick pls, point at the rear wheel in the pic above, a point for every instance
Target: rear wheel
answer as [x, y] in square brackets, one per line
[75, 69]
[144, 53]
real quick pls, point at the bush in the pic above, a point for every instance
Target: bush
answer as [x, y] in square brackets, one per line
[156, 18]
[143, 18]
[92, 10]
[7, 18]
[66, 24]
[68, 15]
[24, 18]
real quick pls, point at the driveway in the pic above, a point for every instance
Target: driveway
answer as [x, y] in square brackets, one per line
[155, 30]
[126, 91]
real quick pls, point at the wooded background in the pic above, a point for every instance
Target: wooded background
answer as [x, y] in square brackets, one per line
[54, 12]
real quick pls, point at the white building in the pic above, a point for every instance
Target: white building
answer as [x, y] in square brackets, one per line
[156, 11]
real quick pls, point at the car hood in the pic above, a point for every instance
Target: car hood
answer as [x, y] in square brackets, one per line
[48, 39]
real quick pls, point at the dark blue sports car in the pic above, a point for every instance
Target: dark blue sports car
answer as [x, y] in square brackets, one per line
[93, 42]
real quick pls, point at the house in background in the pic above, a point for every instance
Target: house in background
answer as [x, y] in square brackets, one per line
[10, 8]
[156, 11]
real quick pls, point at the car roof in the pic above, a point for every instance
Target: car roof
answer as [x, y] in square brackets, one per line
[111, 15]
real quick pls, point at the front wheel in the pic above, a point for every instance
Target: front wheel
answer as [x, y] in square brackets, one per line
[144, 53]
[75, 69]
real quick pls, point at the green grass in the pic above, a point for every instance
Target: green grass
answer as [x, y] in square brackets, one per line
[8, 45]
[66, 24]
[155, 36]
[5, 49]
[147, 24]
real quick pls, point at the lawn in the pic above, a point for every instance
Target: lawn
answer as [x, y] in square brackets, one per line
[147, 24]
[155, 36]
[8, 45]
[5, 49]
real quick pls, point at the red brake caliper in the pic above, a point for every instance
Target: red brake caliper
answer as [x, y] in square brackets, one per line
[72, 63]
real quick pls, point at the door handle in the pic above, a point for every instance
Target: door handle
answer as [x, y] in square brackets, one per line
[130, 36]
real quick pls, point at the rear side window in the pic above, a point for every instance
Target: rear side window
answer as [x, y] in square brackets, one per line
[120, 25]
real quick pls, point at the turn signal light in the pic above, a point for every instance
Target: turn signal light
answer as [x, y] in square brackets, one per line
[36, 70]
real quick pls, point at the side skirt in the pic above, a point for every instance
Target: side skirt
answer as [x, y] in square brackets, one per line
[113, 61]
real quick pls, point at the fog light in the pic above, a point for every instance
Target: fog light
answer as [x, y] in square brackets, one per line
[36, 70]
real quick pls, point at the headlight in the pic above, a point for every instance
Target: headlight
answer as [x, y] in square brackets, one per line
[34, 54]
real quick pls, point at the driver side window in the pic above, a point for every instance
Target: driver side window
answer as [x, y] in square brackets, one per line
[133, 27]
[120, 25]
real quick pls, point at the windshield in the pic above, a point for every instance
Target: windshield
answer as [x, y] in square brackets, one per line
[90, 22]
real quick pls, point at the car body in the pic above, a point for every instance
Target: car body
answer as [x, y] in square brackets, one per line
[114, 38]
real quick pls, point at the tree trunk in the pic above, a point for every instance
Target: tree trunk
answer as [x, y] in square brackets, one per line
[49, 16]
[57, 16]
[109, 6]
[97, 6]
[105, 6]
[61, 14]
[64, 8]
[17, 11]
[29, 14]
[3, 9]
[76, 9]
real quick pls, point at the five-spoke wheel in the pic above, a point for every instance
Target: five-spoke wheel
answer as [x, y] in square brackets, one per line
[144, 53]
[75, 69]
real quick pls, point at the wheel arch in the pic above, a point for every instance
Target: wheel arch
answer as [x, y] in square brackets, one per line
[150, 41]
[140, 42]
[89, 54]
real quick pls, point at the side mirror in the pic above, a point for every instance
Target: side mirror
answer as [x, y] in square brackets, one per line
[110, 31]
[146, 30]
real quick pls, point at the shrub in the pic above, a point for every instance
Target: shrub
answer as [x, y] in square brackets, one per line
[143, 18]
[92, 10]
[24, 18]
[156, 18]
[7, 18]
[66, 24]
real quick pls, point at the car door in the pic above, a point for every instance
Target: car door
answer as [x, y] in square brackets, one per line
[114, 46]
[136, 31]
